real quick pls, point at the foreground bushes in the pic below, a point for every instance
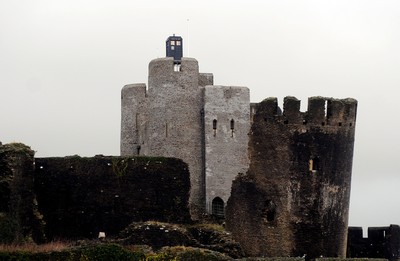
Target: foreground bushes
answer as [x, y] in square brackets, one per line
[95, 252]
[113, 252]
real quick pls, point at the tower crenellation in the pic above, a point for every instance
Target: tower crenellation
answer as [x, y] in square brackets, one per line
[324, 112]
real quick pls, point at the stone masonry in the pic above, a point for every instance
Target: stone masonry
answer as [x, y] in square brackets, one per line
[282, 177]
[294, 199]
[226, 145]
[175, 116]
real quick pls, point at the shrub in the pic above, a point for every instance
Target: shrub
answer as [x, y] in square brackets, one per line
[9, 229]
[109, 252]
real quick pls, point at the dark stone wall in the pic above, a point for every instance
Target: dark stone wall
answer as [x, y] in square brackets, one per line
[294, 199]
[382, 242]
[18, 220]
[79, 197]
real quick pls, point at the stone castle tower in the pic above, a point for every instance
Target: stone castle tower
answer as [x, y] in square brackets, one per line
[294, 199]
[182, 114]
[286, 174]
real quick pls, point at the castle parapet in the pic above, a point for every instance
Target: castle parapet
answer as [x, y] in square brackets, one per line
[316, 110]
[291, 109]
[268, 108]
[206, 79]
[321, 111]
[131, 91]
[382, 242]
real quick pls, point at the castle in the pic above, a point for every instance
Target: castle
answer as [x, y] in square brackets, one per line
[286, 173]
[280, 177]
[183, 115]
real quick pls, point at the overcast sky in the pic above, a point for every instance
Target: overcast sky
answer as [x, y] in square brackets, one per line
[64, 62]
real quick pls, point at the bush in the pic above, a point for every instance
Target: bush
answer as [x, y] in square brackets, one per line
[101, 252]
[9, 231]
[109, 252]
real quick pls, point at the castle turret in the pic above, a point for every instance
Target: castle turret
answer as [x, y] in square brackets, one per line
[166, 119]
[294, 200]
[174, 125]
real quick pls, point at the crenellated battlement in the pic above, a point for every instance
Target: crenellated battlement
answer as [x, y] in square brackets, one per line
[321, 111]
[136, 90]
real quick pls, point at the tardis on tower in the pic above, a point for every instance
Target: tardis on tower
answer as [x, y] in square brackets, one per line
[174, 48]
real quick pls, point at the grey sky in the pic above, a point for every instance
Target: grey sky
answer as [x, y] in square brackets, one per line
[63, 63]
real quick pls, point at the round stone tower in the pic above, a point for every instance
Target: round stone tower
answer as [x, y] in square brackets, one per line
[294, 200]
[175, 126]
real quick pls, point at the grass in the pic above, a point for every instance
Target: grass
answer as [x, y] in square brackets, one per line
[54, 246]
[210, 226]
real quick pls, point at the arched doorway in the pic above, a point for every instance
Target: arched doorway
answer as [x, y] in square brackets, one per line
[218, 207]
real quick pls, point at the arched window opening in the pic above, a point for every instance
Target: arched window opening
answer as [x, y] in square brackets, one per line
[218, 207]
[232, 127]
[215, 127]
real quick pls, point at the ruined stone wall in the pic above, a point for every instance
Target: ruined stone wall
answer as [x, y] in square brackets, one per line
[133, 119]
[227, 124]
[18, 220]
[79, 197]
[382, 242]
[294, 199]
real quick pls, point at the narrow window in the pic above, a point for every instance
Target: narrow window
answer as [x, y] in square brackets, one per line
[310, 165]
[166, 129]
[232, 127]
[215, 127]
[313, 164]
[218, 207]
[177, 67]
[138, 149]
[269, 211]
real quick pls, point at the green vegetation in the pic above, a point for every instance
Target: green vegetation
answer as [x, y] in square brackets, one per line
[9, 229]
[107, 252]
[16, 147]
[98, 252]
[16, 196]
[119, 166]
[209, 226]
